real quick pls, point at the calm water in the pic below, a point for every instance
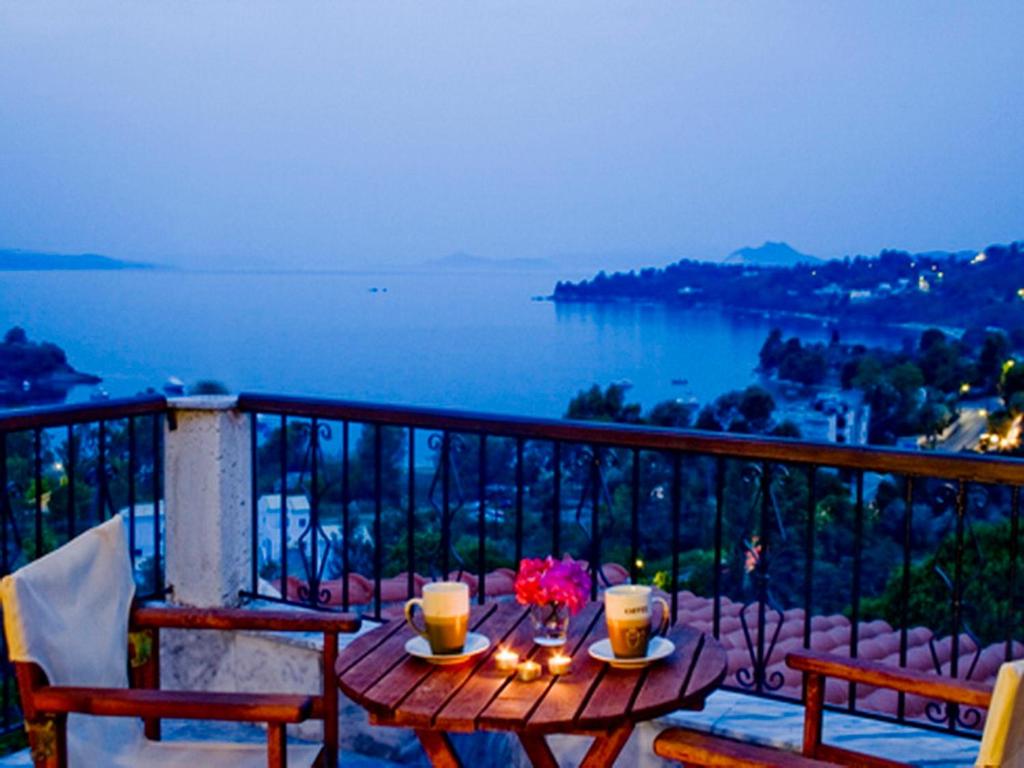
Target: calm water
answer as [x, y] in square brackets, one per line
[474, 341]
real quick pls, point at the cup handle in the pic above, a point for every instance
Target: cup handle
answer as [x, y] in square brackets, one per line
[666, 615]
[409, 606]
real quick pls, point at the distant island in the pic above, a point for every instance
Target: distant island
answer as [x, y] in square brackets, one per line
[16, 260]
[468, 262]
[983, 289]
[33, 373]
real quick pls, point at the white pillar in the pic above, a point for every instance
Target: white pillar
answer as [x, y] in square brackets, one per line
[207, 480]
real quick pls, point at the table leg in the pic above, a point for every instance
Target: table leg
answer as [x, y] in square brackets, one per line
[439, 749]
[605, 749]
[537, 749]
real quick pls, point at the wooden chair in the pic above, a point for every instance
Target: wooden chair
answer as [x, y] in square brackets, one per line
[89, 684]
[1001, 746]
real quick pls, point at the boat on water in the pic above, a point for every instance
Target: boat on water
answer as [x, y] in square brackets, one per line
[680, 382]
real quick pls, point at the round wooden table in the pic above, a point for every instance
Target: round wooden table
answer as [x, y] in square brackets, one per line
[593, 699]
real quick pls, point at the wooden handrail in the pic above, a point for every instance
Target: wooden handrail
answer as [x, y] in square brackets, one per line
[173, 617]
[186, 705]
[885, 676]
[969, 468]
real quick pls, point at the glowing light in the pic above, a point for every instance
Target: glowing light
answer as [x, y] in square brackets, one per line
[639, 563]
[965, 388]
[979, 258]
[506, 660]
[559, 664]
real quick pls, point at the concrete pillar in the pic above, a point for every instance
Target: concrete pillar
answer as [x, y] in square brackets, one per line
[207, 479]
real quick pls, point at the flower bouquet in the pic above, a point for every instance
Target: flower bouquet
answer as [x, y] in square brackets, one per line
[554, 590]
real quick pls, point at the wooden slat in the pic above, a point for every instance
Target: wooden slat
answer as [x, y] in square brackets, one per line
[461, 712]
[701, 749]
[443, 683]
[363, 674]
[391, 690]
[669, 681]
[366, 643]
[511, 708]
[569, 695]
[240, 618]
[840, 756]
[185, 705]
[885, 676]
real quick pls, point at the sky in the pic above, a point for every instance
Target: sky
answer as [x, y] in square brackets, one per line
[345, 135]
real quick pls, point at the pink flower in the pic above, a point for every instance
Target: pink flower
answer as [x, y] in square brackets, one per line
[540, 582]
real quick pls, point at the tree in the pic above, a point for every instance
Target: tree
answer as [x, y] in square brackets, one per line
[671, 413]
[757, 406]
[16, 335]
[771, 351]
[609, 405]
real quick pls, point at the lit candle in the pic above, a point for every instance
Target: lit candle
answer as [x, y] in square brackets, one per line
[528, 671]
[559, 664]
[506, 660]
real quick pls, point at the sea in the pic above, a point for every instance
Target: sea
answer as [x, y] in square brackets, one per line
[482, 341]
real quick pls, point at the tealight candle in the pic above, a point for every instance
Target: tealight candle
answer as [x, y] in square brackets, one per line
[506, 660]
[528, 671]
[559, 664]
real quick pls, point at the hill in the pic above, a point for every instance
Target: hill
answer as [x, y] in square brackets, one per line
[770, 255]
[16, 260]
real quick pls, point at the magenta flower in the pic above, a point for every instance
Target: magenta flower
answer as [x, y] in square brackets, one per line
[547, 581]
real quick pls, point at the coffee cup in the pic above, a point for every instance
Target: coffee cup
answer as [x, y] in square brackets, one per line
[445, 609]
[627, 610]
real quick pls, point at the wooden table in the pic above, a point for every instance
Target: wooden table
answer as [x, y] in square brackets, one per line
[591, 700]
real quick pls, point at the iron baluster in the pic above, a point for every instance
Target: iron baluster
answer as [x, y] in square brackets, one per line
[378, 510]
[677, 503]
[908, 530]
[809, 536]
[716, 575]
[254, 496]
[157, 491]
[284, 505]
[37, 473]
[481, 542]
[345, 503]
[70, 472]
[410, 521]
[1011, 618]
[519, 501]
[131, 489]
[556, 500]
[634, 519]
[595, 533]
[858, 547]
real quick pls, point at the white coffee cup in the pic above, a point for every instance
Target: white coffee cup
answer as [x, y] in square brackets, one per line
[445, 607]
[627, 610]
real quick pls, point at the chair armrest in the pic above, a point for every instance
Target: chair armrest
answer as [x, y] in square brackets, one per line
[174, 617]
[886, 676]
[185, 705]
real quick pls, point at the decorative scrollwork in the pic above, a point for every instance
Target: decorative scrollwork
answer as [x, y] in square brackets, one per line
[594, 463]
[757, 561]
[448, 448]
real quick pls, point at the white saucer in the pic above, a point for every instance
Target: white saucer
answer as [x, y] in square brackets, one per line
[420, 648]
[658, 648]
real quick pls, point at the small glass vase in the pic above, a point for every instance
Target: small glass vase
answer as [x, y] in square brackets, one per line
[550, 623]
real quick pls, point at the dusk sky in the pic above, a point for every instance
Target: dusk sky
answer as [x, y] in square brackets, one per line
[355, 135]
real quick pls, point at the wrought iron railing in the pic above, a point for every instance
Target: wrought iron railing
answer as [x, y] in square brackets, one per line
[770, 543]
[66, 468]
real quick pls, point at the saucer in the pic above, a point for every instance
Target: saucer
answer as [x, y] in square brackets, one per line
[420, 648]
[658, 648]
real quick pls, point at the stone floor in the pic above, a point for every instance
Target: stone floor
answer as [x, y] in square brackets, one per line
[780, 724]
[726, 713]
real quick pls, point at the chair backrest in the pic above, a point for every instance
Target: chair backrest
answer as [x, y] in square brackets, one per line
[68, 611]
[1002, 743]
